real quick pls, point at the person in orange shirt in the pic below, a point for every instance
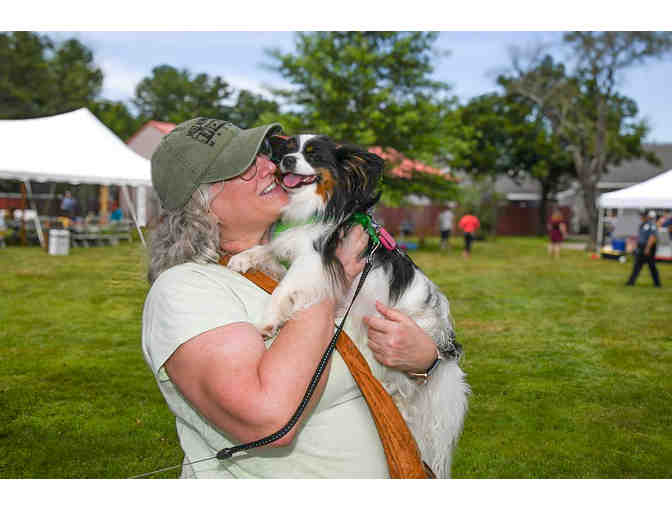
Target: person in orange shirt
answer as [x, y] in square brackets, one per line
[469, 224]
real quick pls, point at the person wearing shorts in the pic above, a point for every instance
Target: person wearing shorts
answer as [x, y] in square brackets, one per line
[468, 224]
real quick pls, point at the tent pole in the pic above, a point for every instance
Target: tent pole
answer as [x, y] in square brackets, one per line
[600, 229]
[124, 190]
[24, 242]
[38, 223]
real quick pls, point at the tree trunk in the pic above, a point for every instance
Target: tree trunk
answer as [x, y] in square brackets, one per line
[589, 192]
[541, 228]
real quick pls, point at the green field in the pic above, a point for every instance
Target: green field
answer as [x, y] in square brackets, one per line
[570, 369]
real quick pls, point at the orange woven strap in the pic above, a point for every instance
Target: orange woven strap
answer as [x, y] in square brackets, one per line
[401, 450]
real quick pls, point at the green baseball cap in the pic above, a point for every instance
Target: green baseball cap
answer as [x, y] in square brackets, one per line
[201, 151]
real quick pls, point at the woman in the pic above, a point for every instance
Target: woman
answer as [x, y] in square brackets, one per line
[557, 232]
[224, 384]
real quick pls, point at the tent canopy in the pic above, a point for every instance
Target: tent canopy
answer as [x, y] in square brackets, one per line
[653, 193]
[72, 147]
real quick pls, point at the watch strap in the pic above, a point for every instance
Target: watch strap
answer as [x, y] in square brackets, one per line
[423, 377]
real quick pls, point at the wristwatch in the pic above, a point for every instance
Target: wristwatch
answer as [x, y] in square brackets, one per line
[423, 377]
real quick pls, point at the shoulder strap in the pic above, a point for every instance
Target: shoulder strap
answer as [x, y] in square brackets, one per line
[401, 450]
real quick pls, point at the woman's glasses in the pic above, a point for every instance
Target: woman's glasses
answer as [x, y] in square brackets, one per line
[265, 152]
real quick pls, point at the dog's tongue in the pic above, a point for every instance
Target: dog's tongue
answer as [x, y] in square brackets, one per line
[292, 180]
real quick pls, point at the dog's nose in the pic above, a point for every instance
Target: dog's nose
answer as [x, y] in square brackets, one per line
[288, 163]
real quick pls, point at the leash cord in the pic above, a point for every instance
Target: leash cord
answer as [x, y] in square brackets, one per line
[227, 453]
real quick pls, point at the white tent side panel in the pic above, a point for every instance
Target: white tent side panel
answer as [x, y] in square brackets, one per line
[655, 193]
[72, 147]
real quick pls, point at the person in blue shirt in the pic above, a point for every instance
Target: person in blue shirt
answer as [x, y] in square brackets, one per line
[646, 249]
[116, 214]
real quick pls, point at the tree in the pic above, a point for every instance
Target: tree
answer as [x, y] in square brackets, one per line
[370, 88]
[39, 77]
[173, 95]
[509, 136]
[249, 108]
[598, 124]
[116, 116]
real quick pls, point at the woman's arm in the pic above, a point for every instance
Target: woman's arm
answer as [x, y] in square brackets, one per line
[243, 388]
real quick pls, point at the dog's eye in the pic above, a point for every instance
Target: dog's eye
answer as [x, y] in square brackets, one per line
[309, 149]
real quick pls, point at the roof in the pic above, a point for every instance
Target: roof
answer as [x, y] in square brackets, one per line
[72, 147]
[163, 127]
[404, 167]
[631, 172]
[525, 185]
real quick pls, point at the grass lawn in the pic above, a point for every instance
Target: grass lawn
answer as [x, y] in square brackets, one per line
[570, 369]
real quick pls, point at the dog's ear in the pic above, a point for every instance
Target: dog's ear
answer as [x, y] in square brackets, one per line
[278, 146]
[357, 160]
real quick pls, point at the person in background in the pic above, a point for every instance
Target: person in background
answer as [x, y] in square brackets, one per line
[445, 227]
[3, 228]
[223, 381]
[557, 229]
[665, 222]
[469, 224]
[646, 249]
[116, 214]
[68, 205]
[610, 221]
[406, 228]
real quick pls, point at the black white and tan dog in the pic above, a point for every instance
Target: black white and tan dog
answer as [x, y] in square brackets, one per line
[327, 184]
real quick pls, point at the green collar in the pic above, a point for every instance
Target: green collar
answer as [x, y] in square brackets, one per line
[366, 222]
[375, 231]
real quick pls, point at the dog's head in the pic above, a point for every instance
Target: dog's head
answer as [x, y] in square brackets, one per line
[326, 178]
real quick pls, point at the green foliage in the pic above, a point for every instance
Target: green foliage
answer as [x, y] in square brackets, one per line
[173, 95]
[395, 190]
[39, 77]
[373, 89]
[560, 386]
[116, 116]
[510, 136]
[249, 109]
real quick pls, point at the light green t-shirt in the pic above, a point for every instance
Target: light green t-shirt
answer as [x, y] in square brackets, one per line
[337, 440]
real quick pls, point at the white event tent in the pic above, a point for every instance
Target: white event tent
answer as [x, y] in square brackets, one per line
[73, 147]
[654, 193]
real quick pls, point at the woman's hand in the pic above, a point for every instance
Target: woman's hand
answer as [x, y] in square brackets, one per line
[349, 251]
[398, 342]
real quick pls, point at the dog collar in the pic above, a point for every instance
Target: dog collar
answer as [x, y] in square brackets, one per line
[281, 226]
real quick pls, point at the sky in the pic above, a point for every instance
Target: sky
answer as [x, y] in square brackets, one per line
[234, 47]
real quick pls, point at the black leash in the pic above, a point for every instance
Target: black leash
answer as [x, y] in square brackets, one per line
[227, 453]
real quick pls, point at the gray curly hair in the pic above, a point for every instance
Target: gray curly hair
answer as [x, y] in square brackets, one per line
[189, 234]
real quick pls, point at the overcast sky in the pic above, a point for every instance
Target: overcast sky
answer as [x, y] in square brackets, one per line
[475, 56]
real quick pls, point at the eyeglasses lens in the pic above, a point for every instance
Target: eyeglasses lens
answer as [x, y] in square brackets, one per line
[265, 151]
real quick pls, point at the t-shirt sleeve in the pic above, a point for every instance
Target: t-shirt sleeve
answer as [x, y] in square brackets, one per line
[182, 304]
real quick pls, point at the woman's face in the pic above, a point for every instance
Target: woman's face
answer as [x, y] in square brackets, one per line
[249, 202]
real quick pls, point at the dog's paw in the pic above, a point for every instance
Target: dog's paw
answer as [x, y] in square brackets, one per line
[242, 262]
[267, 329]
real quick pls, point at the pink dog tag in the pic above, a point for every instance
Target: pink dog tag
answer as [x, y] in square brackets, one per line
[386, 239]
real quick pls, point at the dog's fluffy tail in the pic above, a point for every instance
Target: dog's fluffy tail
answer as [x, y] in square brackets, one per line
[437, 432]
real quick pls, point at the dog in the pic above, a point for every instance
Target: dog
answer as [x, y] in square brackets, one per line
[328, 183]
